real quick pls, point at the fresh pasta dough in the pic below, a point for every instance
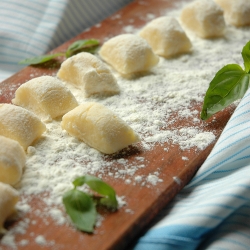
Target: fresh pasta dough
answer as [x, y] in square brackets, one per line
[12, 160]
[166, 37]
[128, 54]
[99, 127]
[8, 199]
[236, 12]
[20, 124]
[205, 18]
[90, 74]
[46, 96]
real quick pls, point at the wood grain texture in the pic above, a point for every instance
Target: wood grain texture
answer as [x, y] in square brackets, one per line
[120, 228]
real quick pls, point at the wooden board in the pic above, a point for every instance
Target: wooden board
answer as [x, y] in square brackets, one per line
[118, 229]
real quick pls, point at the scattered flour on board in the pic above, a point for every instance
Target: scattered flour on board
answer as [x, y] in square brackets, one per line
[149, 104]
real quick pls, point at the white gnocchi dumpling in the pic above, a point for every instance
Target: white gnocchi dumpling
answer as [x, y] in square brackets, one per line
[8, 199]
[46, 96]
[99, 127]
[12, 160]
[236, 12]
[166, 37]
[128, 54]
[20, 124]
[205, 18]
[90, 74]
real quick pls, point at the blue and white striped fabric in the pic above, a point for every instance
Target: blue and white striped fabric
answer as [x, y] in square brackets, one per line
[33, 27]
[213, 210]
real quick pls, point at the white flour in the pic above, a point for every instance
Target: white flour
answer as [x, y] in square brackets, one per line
[149, 104]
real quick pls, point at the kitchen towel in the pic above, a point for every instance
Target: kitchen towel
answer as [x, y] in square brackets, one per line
[33, 27]
[213, 210]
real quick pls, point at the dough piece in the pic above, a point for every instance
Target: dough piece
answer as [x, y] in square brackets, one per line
[236, 12]
[99, 127]
[12, 160]
[90, 74]
[128, 54]
[20, 124]
[205, 18]
[46, 96]
[166, 37]
[8, 199]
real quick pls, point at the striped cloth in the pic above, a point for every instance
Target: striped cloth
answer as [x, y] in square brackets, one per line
[33, 27]
[213, 210]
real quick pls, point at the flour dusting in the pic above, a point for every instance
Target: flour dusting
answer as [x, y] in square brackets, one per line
[149, 103]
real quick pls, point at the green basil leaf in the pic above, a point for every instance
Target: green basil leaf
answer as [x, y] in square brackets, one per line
[40, 59]
[82, 45]
[79, 181]
[101, 188]
[81, 209]
[229, 84]
[246, 56]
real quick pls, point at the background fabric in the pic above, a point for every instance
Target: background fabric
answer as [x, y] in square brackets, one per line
[33, 27]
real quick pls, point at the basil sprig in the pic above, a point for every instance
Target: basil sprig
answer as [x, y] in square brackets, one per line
[89, 45]
[229, 84]
[81, 206]
[81, 209]
[82, 45]
[102, 188]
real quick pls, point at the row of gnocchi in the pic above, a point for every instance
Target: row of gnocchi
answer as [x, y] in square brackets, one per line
[18, 128]
[165, 37]
[208, 18]
[21, 126]
[46, 97]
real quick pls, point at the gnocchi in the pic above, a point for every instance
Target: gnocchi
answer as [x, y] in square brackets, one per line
[12, 160]
[8, 199]
[166, 37]
[99, 127]
[90, 74]
[205, 18]
[20, 124]
[128, 54]
[46, 96]
[236, 13]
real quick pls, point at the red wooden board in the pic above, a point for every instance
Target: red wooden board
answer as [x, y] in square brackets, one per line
[118, 229]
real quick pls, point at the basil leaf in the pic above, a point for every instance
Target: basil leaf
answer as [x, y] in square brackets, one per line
[82, 45]
[78, 46]
[101, 188]
[246, 56]
[79, 181]
[229, 84]
[40, 59]
[81, 209]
